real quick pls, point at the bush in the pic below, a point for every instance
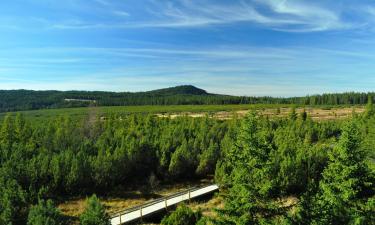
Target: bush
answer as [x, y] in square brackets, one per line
[94, 213]
[44, 213]
[182, 216]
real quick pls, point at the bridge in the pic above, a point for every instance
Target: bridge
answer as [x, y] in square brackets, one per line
[154, 206]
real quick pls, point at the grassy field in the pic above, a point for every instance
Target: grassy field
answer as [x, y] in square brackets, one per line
[217, 111]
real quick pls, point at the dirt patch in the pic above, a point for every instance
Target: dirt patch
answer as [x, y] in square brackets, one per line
[314, 113]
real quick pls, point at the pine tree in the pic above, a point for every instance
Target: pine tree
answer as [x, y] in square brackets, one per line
[94, 213]
[182, 216]
[208, 159]
[344, 180]
[370, 110]
[303, 115]
[44, 213]
[7, 132]
[12, 199]
[181, 161]
[293, 114]
[249, 195]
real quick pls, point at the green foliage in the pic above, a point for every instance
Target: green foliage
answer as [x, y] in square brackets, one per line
[257, 161]
[94, 213]
[44, 213]
[271, 160]
[293, 113]
[182, 162]
[12, 200]
[251, 186]
[183, 215]
[208, 159]
[303, 115]
[370, 110]
[67, 156]
[345, 181]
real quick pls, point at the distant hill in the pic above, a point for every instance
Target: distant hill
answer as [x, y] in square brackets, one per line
[178, 90]
[18, 100]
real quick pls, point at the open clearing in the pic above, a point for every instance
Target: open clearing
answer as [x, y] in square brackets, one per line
[216, 111]
[314, 113]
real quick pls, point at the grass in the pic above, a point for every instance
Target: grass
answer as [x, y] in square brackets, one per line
[173, 110]
[124, 197]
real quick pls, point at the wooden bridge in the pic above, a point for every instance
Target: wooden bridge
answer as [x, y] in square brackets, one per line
[149, 208]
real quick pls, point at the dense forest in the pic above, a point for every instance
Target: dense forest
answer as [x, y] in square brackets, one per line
[326, 168]
[64, 157]
[18, 100]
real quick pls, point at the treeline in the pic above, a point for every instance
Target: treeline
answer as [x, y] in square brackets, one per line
[54, 159]
[18, 100]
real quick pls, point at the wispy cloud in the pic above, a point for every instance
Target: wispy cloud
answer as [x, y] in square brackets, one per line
[273, 14]
[103, 2]
[280, 15]
[121, 13]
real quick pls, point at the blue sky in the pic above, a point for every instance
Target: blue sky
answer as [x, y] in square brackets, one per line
[239, 47]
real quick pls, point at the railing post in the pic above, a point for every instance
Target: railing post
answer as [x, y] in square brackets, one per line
[120, 218]
[141, 213]
[166, 206]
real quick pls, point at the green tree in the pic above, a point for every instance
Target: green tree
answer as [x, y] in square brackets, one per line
[293, 114]
[183, 215]
[94, 213]
[370, 110]
[12, 200]
[44, 213]
[7, 132]
[182, 161]
[249, 195]
[346, 180]
[208, 159]
[303, 115]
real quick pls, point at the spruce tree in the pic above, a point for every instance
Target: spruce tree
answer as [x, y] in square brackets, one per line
[182, 216]
[249, 195]
[345, 180]
[94, 213]
[44, 213]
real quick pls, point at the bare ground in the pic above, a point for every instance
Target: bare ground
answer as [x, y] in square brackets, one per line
[314, 113]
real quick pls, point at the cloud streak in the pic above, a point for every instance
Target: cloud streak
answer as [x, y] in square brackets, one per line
[279, 15]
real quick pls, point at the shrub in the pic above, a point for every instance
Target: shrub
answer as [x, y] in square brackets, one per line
[182, 216]
[94, 213]
[44, 213]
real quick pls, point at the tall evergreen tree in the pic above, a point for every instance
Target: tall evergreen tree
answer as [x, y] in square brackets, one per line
[345, 180]
[249, 196]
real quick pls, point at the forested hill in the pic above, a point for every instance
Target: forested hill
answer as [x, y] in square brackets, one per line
[17, 100]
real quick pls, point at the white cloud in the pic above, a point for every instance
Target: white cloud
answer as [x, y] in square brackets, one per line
[281, 15]
[121, 13]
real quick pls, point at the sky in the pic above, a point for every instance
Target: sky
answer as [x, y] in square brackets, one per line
[237, 47]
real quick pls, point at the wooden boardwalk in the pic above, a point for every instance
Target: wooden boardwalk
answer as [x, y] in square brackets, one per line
[149, 208]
